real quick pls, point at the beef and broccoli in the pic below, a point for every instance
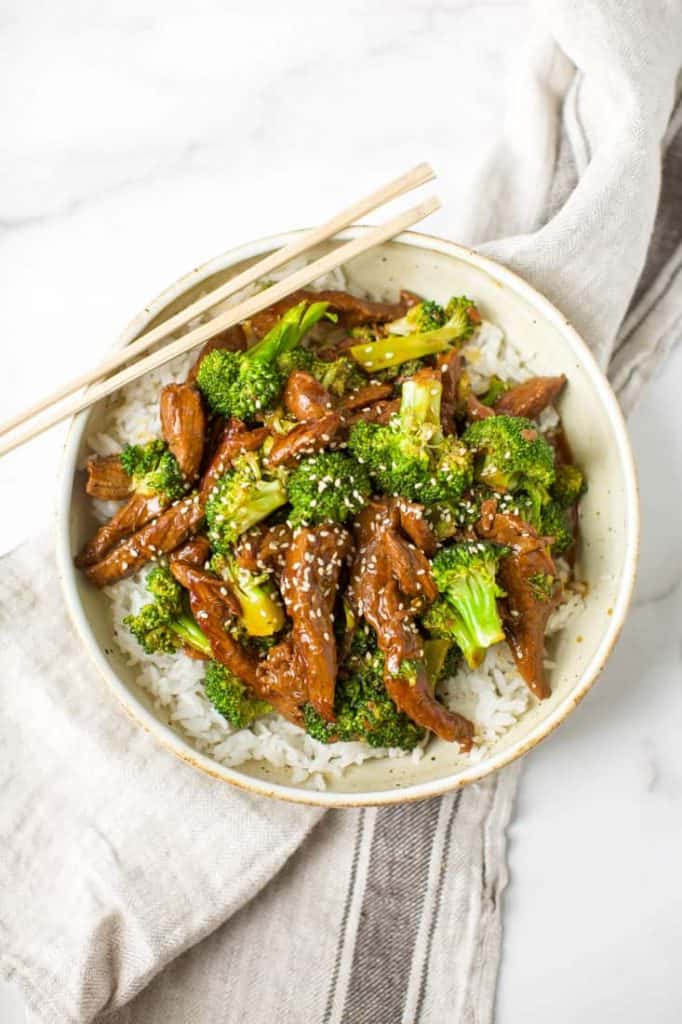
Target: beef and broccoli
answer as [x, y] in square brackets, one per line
[335, 522]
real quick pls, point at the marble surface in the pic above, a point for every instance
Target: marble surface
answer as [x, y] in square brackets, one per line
[141, 139]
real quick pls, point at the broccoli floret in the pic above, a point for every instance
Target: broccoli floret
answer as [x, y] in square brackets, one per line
[243, 496]
[165, 625]
[317, 727]
[521, 504]
[511, 455]
[363, 708]
[423, 316]
[555, 522]
[461, 317]
[467, 610]
[164, 588]
[339, 376]
[569, 485]
[153, 469]
[542, 585]
[329, 487]
[462, 313]
[243, 384]
[229, 696]
[449, 517]
[261, 610]
[363, 332]
[410, 456]
[391, 373]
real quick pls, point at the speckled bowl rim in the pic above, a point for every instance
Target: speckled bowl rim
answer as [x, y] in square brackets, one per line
[171, 740]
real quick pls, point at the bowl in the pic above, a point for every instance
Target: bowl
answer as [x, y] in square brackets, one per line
[609, 518]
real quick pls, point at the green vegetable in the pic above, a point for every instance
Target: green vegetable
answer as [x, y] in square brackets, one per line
[410, 456]
[165, 625]
[363, 708]
[261, 609]
[338, 376]
[243, 496]
[229, 696]
[467, 610]
[542, 585]
[154, 470]
[556, 523]
[419, 333]
[329, 487]
[243, 384]
[441, 655]
[511, 455]
[420, 318]
[569, 485]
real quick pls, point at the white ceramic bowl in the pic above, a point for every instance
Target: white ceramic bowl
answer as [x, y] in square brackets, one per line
[609, 517]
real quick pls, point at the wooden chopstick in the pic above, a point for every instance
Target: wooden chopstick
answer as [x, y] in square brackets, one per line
[242, 311]
[399, 186]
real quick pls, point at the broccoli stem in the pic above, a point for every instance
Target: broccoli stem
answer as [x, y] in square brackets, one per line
[478, 622]
[287, 332]
[420, 407]
[188, 631]
[393, 351]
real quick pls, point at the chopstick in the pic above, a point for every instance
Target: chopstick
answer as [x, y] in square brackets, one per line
[242, 311]
[419, 175]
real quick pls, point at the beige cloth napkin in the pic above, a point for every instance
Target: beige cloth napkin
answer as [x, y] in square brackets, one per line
[116, 859]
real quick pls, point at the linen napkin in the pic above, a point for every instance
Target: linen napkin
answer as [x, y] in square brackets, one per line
[116, 859]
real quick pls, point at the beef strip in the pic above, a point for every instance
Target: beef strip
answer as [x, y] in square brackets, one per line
[409, 299]
[529, 607]
[194, 653]
[449, 365]
[282, 680]
[391, 583]
[309, 585]
[159, 537]
[560, 443]
[183, 426]
[214, 608]
[366, 395]
[416, 526]
[531, 397]
[476, 410]
[305, 398]
[234, 440]
[305, 439]
[137, 511]
[380, 412]
[264, 549]
[232, 339]
[107, 479]
[272, 552]
[247, 547]
[351, 310]
[196, 552]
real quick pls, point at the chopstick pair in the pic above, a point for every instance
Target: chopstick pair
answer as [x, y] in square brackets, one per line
[103, 385]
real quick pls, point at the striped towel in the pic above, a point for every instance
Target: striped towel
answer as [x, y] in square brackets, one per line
[380, 916]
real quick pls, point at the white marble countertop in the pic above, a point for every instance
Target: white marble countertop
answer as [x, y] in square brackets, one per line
[139, 141]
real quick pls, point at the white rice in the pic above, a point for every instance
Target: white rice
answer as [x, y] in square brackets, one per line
[493, 696]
